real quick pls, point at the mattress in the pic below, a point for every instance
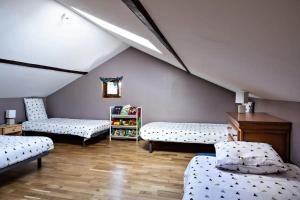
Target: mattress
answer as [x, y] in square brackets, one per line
[184, 132]
[15, 149]
[203, 181]
[78, 127]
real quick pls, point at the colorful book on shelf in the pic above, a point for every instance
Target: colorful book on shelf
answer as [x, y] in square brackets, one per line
[122, 132]
[124, 110]
[117, 110]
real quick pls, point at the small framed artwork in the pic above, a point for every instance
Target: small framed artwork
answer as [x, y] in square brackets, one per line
[111, 87]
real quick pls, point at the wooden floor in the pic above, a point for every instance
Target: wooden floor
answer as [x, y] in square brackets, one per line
[104, 170]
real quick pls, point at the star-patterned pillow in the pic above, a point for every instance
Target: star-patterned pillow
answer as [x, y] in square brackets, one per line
[248, 157]
[35, 109]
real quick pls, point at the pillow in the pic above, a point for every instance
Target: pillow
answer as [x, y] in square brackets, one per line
[248, 157]
[35, 109]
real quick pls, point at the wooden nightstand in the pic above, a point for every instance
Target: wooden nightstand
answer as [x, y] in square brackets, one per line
[14, 129]
[262, 127]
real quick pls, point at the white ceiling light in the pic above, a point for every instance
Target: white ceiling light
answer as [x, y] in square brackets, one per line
[115, 29]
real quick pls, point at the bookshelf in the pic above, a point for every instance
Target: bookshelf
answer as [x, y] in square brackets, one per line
[125, 126]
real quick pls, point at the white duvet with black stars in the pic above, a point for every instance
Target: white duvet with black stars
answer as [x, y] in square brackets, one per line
[202, 180]
[78, 127]
[14, 149]
[204, 133]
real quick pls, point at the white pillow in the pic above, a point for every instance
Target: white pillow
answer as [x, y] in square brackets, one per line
[248, 157]
[35, 109]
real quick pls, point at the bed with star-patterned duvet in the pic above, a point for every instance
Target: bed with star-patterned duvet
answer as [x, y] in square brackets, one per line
[202, 180]
[14, 149]
[79, 127]
[205, 133]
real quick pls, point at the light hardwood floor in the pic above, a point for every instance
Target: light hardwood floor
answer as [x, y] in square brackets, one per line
[104, 170]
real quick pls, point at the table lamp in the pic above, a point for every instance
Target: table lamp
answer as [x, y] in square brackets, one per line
[10, 116]
[241, 98]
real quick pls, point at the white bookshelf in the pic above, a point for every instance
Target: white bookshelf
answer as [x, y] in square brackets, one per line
[127, 128]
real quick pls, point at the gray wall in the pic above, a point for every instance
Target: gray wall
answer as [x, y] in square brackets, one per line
[289, 111]
[12, 104]
[165, 92]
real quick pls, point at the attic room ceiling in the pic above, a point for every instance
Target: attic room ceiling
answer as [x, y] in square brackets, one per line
[116, 13]
[46, 33]
[240, 45]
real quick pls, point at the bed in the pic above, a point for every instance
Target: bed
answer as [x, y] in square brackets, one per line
[16, 150]
[79, 127]
[202, 180]
[38, 122]
[203, 133]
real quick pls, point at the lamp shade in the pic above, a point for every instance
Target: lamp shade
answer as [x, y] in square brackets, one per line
[11, 114]
[241, 97]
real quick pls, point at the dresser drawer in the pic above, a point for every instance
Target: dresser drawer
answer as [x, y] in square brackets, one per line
[12, 129]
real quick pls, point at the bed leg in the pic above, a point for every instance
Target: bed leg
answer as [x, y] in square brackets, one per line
[39, 163]
[150, 147]
[83, 143]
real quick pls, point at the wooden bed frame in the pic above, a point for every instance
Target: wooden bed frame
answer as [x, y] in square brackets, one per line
[37, 157]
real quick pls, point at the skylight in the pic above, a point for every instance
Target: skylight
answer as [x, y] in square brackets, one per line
[117, 30]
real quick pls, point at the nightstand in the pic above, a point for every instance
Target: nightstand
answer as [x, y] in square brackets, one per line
[14, 129]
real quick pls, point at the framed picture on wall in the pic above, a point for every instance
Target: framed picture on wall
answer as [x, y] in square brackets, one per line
[111, 87]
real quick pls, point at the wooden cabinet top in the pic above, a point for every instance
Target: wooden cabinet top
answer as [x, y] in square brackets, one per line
[259, 117]
[10, 126]
[262, 127]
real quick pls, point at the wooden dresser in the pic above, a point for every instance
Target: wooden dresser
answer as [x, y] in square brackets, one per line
[262, 127]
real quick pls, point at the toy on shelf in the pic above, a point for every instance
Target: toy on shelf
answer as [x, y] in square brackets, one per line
[120, 132]
[117, 110]
[131, 133]
[114, 122]
[120, 122]
[125, 110]
[132, 122]
[132, 110]
[125, 123]
[114, 131]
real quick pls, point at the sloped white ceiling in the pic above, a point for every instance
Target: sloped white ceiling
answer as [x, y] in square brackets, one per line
[118, 14]
[37, 31]
[240, 45]
[27, 82]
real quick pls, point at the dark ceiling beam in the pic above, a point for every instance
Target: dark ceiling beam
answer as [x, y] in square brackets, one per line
[138, 9]
[30, 65]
